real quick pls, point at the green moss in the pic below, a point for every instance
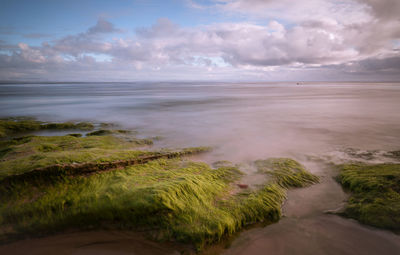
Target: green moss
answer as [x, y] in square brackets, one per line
[286, 172]
[122, 131]
[21, 155]
[75, 135]
[11, 126]
[222, 163]
[130, 137]
[27, 153]
[375, 198]
[68, 125]
[49, 184]
[142, 141]
[100, 132]
[180, 200]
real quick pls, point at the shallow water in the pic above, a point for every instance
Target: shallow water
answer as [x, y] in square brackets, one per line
[306, 228]
[245, 122]
[91, 243]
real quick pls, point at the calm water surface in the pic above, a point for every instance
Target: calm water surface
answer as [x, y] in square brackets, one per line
[243, 121]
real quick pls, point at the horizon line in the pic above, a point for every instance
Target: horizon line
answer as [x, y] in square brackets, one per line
[192, 81]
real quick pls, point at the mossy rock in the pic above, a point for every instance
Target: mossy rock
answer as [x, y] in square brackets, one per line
[24, 154]
[49, 184]
[75, 135]
[68, 125]
[222, 163]
[100, 132]
[375, 198]
[185, 201]
[286, 172]
[10, 126]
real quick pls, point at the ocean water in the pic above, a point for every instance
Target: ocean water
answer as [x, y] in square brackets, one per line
[242, 121]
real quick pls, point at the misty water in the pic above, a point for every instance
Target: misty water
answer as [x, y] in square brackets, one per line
[244, 122]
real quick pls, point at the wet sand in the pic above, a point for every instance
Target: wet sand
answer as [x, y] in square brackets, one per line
[307, 229]
[91, 243]
[323, 234]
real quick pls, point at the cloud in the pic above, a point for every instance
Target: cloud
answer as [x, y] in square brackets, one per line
[383, 9]
[344, 12]
[162, 28]
[7, 30]
[102, 26]
[87, 42]
[382, 66]
[4, 46]
[310, 48]
[36, 35]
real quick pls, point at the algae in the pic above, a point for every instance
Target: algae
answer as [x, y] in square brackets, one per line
[100, 132]
[375, 194]
[75, 135]
[21, 155]
[286, 172]
[222, 163]
[10, 126]
[176, 199]
[104, 180]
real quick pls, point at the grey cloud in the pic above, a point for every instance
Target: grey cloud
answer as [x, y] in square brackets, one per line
[244, 47]
[90, 41]
[6, 46]
[384, 9]
[78, 44]
[36, 35]
[102, 26]
[367, 26]
[163, 27]
[389, 65]
[7, 30]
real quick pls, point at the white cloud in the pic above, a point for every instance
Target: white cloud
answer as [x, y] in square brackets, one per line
[298, 38]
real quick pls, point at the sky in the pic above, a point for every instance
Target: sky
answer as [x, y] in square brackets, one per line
[200, 40]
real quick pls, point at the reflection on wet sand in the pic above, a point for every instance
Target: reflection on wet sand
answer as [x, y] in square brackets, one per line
[91, 243]
[307, 229]
[323, 234]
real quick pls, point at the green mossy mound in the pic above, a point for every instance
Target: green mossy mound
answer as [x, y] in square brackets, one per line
[10, 126]
[24, 154]
[75, 135]
[286, 172]
[375, 198]
[51, 184]
[176, 199]
[222, 163]
[99, 132]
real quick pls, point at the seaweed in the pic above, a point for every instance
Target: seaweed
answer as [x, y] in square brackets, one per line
[99, 132]
[103, 180]
[375, 194]
[10, 126]
[286, 172]
[175, 199]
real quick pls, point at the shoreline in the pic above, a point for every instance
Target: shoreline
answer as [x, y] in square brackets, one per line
[187, 202]
[302, 205]
[300, 224]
